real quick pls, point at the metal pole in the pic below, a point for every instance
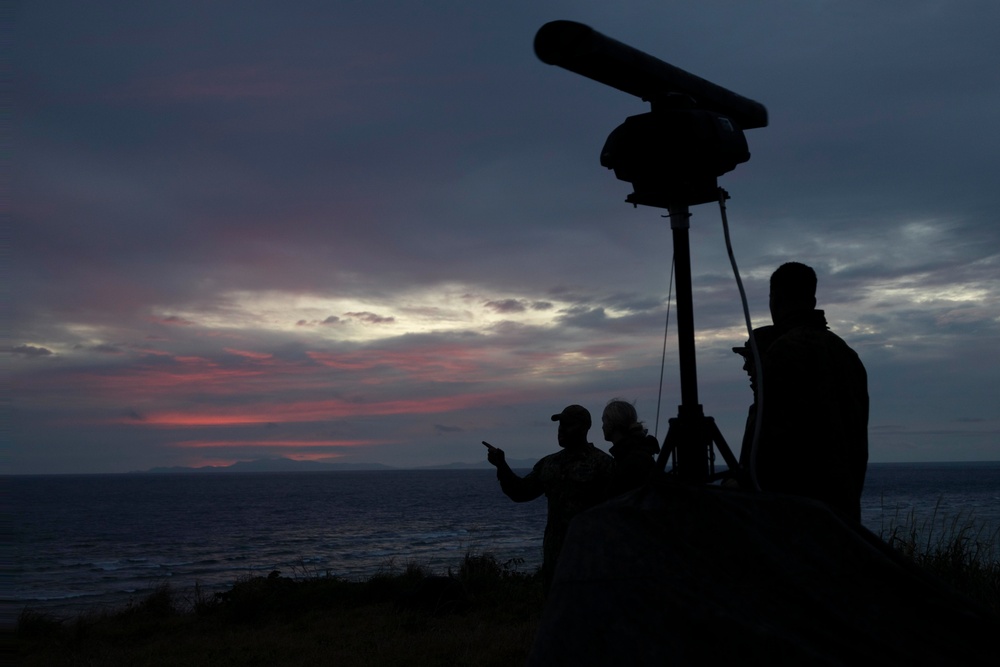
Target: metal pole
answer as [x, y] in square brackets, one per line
[693, 443]
[680, 223]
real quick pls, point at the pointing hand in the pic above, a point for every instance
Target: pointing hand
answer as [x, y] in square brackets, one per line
[495, 455]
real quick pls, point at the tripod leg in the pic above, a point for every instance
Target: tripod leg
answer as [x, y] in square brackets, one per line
[735, 470]
[689, 441]
[720, 443]
[669, 444]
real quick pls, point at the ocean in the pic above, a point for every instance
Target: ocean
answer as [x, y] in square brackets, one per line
[92, 542]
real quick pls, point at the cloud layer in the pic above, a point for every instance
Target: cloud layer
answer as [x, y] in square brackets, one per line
[381, 233]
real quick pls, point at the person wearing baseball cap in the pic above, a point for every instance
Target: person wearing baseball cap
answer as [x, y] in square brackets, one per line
[573, 416]
[572, 480]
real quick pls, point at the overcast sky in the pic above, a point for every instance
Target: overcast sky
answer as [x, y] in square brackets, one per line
[379, 231]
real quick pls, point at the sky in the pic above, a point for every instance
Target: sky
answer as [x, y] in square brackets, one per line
[379, 232]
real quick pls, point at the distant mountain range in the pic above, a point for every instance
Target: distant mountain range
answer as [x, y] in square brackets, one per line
[291, 465]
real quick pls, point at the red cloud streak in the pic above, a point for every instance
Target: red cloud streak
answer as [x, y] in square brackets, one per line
[198, 444]
[260, 356]
[313, 411]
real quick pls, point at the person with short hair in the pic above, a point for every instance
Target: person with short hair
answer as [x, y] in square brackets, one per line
[814, 428]
[572, 480]
[633, 449]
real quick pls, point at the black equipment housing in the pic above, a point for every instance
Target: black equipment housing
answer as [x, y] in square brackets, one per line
[694, 133]
[673, 157]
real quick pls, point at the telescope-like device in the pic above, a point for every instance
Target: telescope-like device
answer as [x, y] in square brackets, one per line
[694, 133]
[672, 156]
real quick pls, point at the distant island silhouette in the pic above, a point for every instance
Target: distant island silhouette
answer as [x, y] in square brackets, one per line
[292, 465]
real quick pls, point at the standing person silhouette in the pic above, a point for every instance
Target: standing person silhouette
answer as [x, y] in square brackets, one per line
[814, 428]
[633, 449]
[572, 479]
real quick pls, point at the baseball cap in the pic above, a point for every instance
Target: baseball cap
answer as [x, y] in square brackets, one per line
[573, 414]
[764, 336]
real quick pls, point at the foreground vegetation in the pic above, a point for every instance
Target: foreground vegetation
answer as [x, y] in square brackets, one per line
[958, 551]
[486, 614]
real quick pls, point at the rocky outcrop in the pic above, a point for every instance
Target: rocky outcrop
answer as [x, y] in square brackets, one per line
[697, 575]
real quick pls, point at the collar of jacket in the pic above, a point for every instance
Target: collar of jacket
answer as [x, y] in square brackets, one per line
[814, 319]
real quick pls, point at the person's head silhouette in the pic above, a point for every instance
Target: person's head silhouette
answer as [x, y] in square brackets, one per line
[574, 423]
[620, 418]
[793, 292]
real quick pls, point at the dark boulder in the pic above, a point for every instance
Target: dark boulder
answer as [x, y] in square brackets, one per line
[697, 575]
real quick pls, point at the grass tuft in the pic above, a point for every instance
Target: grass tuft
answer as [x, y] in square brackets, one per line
[958, 550]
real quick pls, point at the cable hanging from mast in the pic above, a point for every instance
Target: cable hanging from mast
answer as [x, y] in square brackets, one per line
[663, 359]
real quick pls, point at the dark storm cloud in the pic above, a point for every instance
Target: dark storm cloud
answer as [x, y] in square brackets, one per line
[636, 303]
[30, 351]
[370, 318]
[584, 317]
[507, 306]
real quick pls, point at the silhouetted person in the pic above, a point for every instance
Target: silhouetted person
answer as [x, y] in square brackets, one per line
[764, 336]
[573, 479]
[814, 433]
[633, 449]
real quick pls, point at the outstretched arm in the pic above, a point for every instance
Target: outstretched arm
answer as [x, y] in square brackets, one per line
[496, 457]
[519, 489]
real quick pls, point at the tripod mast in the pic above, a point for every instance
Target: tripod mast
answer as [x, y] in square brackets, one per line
[691, 434]
[680, 223]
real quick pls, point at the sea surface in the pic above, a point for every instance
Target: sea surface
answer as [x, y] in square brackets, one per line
[92, 542]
